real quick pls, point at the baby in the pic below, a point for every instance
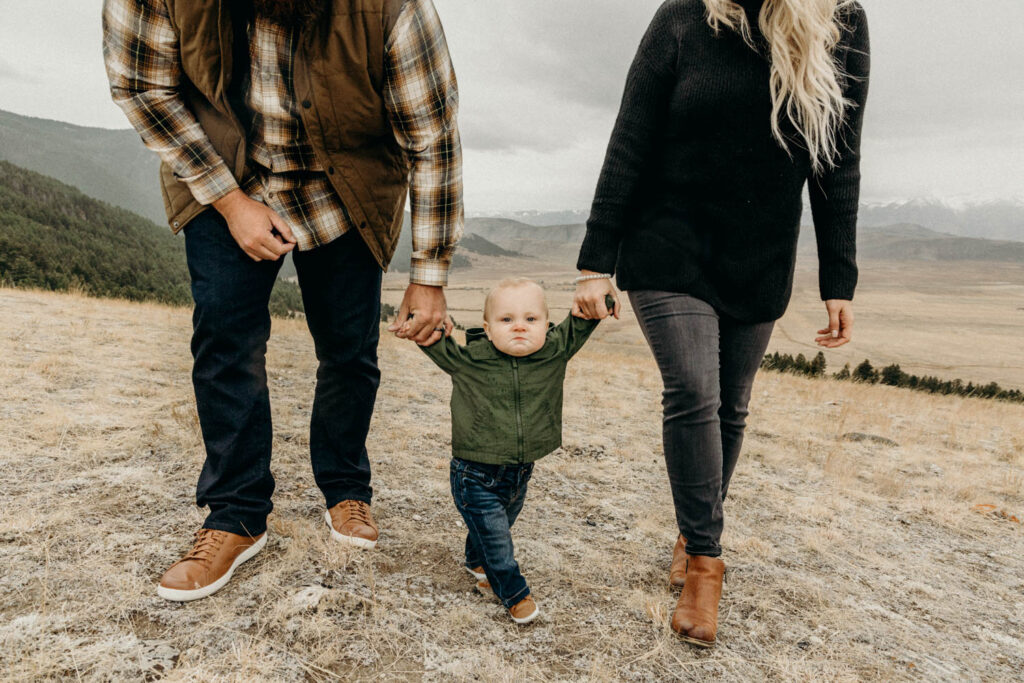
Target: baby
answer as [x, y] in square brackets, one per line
[506, 414]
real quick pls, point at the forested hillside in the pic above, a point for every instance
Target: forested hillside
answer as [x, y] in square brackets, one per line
[54, 237]
[111, 165]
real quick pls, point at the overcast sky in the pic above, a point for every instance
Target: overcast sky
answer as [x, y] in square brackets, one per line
[541, 81]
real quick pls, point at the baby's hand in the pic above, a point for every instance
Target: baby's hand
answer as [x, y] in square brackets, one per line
[609, 301]
[445, 328]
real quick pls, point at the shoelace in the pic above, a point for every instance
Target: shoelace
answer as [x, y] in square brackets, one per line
[208, 542]
[359, 511]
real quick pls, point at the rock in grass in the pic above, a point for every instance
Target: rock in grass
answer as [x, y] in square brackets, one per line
[873, 438]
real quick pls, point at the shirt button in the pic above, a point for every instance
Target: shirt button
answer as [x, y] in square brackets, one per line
[363, 225]
[306, 104]
[177, 224]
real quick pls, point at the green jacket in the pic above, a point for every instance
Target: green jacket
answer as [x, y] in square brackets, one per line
[508, 410]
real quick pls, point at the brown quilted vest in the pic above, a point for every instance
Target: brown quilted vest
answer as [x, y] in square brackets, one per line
[338, 81]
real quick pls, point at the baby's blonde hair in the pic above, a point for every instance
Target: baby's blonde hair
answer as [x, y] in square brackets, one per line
[512, 283]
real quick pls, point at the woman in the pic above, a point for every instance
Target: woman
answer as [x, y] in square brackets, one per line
[730, 107]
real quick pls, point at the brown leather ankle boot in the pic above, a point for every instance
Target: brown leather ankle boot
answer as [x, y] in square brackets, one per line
[696, 616]
[677, 574]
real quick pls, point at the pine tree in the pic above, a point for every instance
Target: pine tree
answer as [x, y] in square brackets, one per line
[818, 365]
[893, 375]
[865, 373]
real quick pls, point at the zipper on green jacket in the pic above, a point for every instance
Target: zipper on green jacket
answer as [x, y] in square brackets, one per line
[519, 410]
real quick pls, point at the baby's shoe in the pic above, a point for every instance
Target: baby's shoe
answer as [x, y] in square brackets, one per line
[524, 611]
[482, 586]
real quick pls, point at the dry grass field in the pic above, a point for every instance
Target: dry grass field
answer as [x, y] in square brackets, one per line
[848, 559]
[949, 319]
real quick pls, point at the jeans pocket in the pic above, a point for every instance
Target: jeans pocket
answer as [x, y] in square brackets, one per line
[478, 476]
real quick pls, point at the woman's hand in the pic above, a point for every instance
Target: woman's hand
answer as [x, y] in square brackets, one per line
[840, 324]
[589, 302]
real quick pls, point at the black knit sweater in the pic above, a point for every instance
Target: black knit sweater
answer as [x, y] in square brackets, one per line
[697, 196]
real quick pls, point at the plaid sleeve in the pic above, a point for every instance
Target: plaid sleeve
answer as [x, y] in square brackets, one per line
[422, 98]
[140, 50]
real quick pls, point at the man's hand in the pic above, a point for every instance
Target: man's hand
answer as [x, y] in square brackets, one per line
[840, 324]
[589, 300]
[423, 315]
[252, 224]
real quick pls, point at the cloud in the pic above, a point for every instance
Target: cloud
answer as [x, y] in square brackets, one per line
[11, 73]
[541, 76]
[541, 83]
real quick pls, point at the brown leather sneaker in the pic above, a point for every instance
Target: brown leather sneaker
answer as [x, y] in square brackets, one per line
[696, 615]
[352, 523]
[209, 565]
[524, 611]
[677, 574]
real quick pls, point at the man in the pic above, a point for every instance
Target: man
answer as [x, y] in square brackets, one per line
[292, 126]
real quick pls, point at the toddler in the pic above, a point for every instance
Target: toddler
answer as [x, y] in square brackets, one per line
[506, 414]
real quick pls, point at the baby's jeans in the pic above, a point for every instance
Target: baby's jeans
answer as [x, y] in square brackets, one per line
[489, 497]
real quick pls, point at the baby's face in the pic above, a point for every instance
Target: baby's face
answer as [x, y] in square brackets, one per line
[517, 323]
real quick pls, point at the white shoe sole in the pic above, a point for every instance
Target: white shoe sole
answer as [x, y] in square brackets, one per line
[178, 595]
[479, 576]
[528, 618]
[353, 541]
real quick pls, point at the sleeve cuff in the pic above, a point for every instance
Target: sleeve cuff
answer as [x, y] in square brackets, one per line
[215, 183]
[837, 286]
[599, 251]
[430, 272]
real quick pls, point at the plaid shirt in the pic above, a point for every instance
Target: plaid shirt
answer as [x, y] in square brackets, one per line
[143, 64]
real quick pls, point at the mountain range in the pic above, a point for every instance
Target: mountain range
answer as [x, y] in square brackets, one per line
[992, 219]
[900, 242]
[112, 165]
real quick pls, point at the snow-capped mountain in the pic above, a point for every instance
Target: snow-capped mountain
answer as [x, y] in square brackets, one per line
[992, 219]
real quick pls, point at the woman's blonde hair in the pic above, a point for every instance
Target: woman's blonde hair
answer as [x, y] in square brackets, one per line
[805, 78]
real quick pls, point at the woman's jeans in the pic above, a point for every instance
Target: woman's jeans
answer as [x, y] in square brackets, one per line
[489, 497]
[707, 362]
[340, 284]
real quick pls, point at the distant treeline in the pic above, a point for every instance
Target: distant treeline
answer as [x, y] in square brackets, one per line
[56, 238]
[891, 375]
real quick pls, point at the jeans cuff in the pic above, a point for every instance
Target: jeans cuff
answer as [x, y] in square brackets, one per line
[248, 529]
[334, 500]
[509, 603]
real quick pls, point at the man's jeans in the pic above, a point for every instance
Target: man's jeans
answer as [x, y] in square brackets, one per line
[340, 285]
[707, 362]
[489, 497]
